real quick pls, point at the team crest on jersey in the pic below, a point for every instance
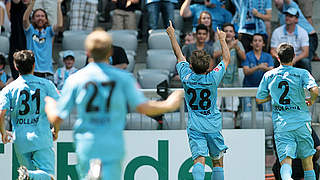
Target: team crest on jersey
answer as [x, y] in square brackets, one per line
[217, 69]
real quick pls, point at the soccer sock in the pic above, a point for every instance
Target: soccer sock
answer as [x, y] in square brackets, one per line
[285, 171]
[309, 175]
[217, 173]
[198, 171]
[39, 175]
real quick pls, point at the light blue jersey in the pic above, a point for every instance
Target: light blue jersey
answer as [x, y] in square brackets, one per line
[101, 95]
[24, 100]
[285, 85]
[201, 95]
[40, 42]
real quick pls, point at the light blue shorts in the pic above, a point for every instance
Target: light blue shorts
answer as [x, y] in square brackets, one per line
[110, 169]
[202, 144]
[42, 159]
[295, 144]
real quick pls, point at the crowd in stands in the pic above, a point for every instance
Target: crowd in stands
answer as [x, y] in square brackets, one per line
[34, 24]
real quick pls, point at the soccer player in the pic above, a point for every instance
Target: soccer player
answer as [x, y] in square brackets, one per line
[102, 94]
[284, 86]
[200, 82]
[33, 139]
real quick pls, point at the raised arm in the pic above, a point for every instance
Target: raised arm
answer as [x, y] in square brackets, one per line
[26, 15]
[152, 108]
[59, 26]
[185, 9]
[175, 46]
[224, 47]
[265, 17]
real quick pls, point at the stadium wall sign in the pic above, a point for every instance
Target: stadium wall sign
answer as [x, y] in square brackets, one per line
[159, 155]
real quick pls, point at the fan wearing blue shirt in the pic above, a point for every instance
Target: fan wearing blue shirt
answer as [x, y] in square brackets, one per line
[32, 137]
[200, 82]
[284, 86]
[102, 94]
[255, 65]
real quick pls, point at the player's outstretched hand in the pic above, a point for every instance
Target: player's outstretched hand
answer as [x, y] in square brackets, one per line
[54, 134]
[170, 29]
[309, 101]
[221, 34]
[6, 137]
[174, 100]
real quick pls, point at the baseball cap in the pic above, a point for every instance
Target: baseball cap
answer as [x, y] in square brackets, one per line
[68, 53]
[292, 11]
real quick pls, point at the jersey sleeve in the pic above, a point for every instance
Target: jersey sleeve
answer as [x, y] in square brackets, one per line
[133, 95]
[246, 61]
[308, 81]
[217, 73]
[52, 91]
[263, 91]
[67, 99]
[183, 69]
[4, 99]
[270, 60]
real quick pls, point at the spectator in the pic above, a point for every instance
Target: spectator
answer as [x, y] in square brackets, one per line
[50, 6]
[119, 57]
[256, 64]
[83, 15]
[219, 15]
[297, 170]
[201, 36]
[5, 25]
[17, 36]
[302, 22]
[124, 16]
[252, 15]
[231, 76]
[39, 36]
[5, 79]
[206, 19]
[295, 35]
[64, 72]
[154, 7]
[189, 38]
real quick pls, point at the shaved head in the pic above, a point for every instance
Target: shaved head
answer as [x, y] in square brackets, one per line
[99, 45]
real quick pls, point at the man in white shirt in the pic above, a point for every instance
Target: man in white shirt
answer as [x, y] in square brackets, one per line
[294, 34]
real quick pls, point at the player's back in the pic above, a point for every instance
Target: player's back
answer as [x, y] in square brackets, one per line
[25, 103]
[201, 96]
[286, 85]
[102, 95]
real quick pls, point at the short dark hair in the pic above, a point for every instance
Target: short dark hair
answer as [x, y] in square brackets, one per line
[259, 34]
[228, 24]
[202, 27]
[24, 61]
[285, 52]
[2, 59]
[200, 61]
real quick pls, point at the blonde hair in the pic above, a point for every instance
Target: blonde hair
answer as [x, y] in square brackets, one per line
[99, 45]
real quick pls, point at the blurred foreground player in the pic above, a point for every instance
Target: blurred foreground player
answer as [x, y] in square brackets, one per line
[33, 139]
[200, 83]
[101, 94]
[284, 86]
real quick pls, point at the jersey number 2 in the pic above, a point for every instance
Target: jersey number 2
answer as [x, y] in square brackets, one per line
[25, 101]
[92, 108]
[282, 99]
